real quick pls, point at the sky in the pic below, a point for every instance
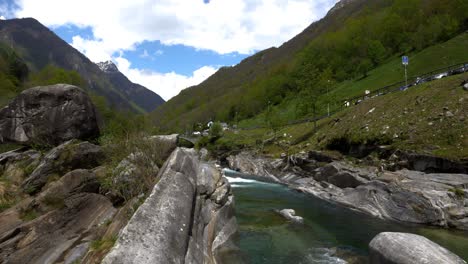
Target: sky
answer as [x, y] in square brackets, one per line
[169, 45]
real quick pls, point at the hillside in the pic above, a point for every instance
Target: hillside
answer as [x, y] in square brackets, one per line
[40, 47]
[213, 98]
[429, 119]
[433, 58]
[354, 38]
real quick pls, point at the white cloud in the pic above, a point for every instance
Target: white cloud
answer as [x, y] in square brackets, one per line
[2, 18]
[223, 26]
[167, 85]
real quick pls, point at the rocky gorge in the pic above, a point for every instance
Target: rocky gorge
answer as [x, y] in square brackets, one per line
[68, 203]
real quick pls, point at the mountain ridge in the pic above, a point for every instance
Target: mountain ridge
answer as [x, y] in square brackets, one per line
[139, 94]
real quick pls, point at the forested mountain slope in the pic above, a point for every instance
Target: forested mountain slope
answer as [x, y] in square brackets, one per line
[355, 37]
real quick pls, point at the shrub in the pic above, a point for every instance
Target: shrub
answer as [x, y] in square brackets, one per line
[104, 244]
[134, 163]
[216, 131]
[460, 193]
[28, 214]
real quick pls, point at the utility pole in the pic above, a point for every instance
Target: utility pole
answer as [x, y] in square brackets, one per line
[328, 98]
[405, 61]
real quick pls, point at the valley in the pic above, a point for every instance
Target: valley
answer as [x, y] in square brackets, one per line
[324, 149]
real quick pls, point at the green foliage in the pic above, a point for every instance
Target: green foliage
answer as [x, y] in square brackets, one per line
[460, 193]
[104, 244]
[28, 214]
[203, 142]
[4, 147]
[13, 71]
[369, 39]
[5, 205]
[50, 75]
[216, 131]
[145, 154]
[7, 196]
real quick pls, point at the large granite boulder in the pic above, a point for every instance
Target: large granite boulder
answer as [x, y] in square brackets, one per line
[49, 115]
[62, 159]
[402, 248]
[186, 218]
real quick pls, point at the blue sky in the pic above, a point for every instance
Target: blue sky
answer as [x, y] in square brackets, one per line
[168, 45]
[163, 58]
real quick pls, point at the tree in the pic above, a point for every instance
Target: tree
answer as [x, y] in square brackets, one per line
[273, 120]
[216, 131]
[364, 67]
[376, 52]
[311, 83]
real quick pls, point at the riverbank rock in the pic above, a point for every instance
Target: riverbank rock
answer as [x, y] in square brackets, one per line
[49, 115]
[343, 175]
[432, 164]
[18, 164]
[170, 140]
[249, 164]
[62, 159]
[76, 181]
[290, 215]
[433, 199]
[188, 217]
[402, 248]
[437, 199]
[49, 237]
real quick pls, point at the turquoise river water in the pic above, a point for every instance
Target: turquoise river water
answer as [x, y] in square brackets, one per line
[330, 234]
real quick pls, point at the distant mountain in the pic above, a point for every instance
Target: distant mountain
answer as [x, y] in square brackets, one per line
[39, 47]
[140, 95]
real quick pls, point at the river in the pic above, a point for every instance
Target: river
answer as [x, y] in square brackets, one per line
[330, 233]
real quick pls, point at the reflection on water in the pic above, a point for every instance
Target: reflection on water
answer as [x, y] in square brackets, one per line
[330, 234]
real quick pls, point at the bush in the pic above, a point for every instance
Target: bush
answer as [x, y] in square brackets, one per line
[460, 193]
[202, 142]
[104, 244]
[216, 131]
[133, 163]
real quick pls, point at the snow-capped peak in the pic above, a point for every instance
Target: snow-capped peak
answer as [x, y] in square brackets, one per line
[107, 66]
